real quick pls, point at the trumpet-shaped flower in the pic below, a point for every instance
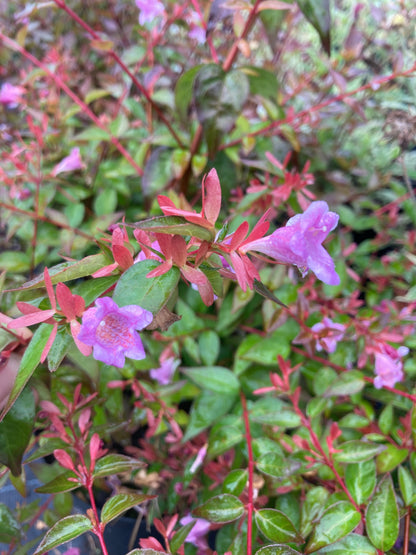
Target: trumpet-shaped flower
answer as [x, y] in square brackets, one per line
[300, 242]
[197, 534]
[149, 9]
[111, 331]
[329, 333]
[164, 373]
[10, 95]
[69, 163]
[388, 366]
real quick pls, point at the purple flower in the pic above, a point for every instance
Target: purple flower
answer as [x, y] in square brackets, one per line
[197, 533]
[69, 163]
[300, 242]
[389, 367]
[149, 9]
[329, 338]
[11, 95]
[110, 330]
[164, 374]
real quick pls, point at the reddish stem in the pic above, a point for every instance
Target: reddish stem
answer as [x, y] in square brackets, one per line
[123, 66]
[60, 83]
[250, 475]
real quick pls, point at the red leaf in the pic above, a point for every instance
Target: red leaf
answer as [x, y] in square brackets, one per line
[211, 197]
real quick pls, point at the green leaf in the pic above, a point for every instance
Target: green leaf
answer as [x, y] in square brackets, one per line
[157, 172]
[262, 82]
[221, 509]
[176, 225]
[353, 544]
[60, 483]
[407, 486]
[180, 536]
[146, 552]
[235, 482]
[214, 378]
[346, 384]
[360, 479]
[382, 516]
[386, 419]
[277, 549]
[29, 363]
[224, 435]
[206, 410]
[9, 527]
[115, 464]
[91, 289]
[209, 347]
[63, 531]
[274, 412]
[120, 503]
[264, 350]
[67, 271]
[318, 13]
[276, 526]
[336, 522]
[59, 348]
[358, 451]
[312, 507]
[16, 430]
[219, 98]
[262, 290]
[152, 294]
[390, 458]
[183, 92]
[277, 466]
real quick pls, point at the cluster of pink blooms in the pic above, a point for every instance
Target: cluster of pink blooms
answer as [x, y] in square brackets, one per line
[11, 95]
[149, 10]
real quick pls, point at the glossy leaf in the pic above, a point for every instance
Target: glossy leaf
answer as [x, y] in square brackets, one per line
[390, 458]
[318, 13]
[67, 271]
[151, 294]
[220, 509]
[357, 451]
[9, 527]
[115, 464]
[60, 483]
[353, 544]
[360, 479]
[277, 549]
[206, 410]
[336, 522]
[235, 482]
[224, 435]
[180, 536]
[214, 378]
[277, 466]
[276, 526]
[347, 383]
[59, 348]
[157, 172]
[29, 363]
[274, 412]
[146, 552]
[407, 486]
[176, 225]
[312, 507]
[382, 516]
[63, 531]
[16, 430]
[91, 289]
[209, 347]
[120, 503]
[184, 91]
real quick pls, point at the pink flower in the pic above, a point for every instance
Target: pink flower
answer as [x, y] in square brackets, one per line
[300, 242]
[69, 163]
[149, 9]
[110, 330]
[11, 95]
[197, 533]
[329, 337]
[164, 373]
[388, 366]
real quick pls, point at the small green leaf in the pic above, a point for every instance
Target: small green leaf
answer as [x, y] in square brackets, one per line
[235, 482]
[207, 409]
[115, 464]
[382, 516]
[158, 171]
[209, 347]
[91, 289]
[276, 526]
[312, 507]
[180, 536]
[274, 412]
[353, 544]
[60, 483]
[277, 549]
[358, 451]
[63, 531]
[277, 466]
[183, 92]
[214, 378]
[120, 503]
[360, 479]
[262, 82]
[152, 294]
[28, 364]
[221, 509]
[59, 348]
[223, 436]
[16, 430]
[176, 225]
[346, 384]
[386, 418]
[146, 552]
[407, 486]
[336, 522]
[318, 13]
[9, 527]
[390, 458]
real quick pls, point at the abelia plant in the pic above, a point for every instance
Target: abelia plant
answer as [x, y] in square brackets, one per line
[207, 277]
